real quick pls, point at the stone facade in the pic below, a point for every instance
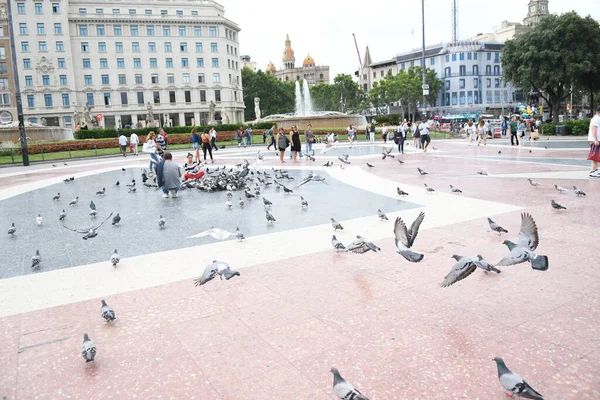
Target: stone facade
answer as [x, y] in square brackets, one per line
[309, 71]
[8, 102]
[127, 60]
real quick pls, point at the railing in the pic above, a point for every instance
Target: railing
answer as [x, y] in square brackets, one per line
[12, 155]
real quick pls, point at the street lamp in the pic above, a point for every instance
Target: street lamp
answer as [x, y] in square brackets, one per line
[425, 85]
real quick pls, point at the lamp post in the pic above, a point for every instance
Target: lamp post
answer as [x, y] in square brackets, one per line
[425, 85]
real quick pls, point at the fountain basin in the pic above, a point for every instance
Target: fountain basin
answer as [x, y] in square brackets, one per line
[319, 122]
[44, 134]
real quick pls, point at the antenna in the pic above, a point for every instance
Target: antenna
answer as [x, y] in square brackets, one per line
[455, 21]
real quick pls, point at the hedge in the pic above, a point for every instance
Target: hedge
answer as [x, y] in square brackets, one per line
[572, 127]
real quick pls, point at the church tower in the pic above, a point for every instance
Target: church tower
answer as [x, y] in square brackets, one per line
[289, 59]
[537, 9]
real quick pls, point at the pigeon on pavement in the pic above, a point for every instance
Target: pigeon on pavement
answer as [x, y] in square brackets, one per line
[88, 349]
[107, 312]
[400, 161]
[429, 189]
[92, 205]
[241, 202]
[39, 220]
[578, 192]
[266, 202]
[337, 244]
[370, 165]
[270, 218]
[422, 172]
[56, 197]
[304, 203]
[336, 225]
[404, 238]
[523, 250]
[401, 192]
[228, 203]
[12, 230]
[239, 235]
[93, 213]
[161, 222]
[286, 190]
[495, 227]
[484, 173]
[62, 215]
[36, 260]
[115, 258]
[117, 184]
[328, 164]
[116, 219]
[381, 215]
[344, 389]
[514, 383]
[361, 245]
[557, 206]
[533, 183]
[455, 190]
[561, 189]
[101, 192]
[74, 201]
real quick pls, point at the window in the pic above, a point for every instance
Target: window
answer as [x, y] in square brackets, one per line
[153, 63]
[156, 97]
[532, 8]
[168, 48]
[102, 47]
[105, 79]
[475, 69]
[123, 98]
[150, 30]
[85, 47]
[21, 8]
[99, 11]
[218, 96]
[100, 30]
[107, 101]
[432, 61]
[27, 63]
[90, 99]
[87, 79]
[61, 63]
[203, 96]
[119, 47]
[166, 31]
[497, 83]
[30, 101]
[475, 83]
[140, 97]
[216, 77]
[447, 85]
[179, 13]
[134, 30]
[116, 11]
[488, 83]
[462, 57]
[29, 80]
[184, 63]
[447, 99]
[447, 72]
[103, 63]
[170, 78]
[200, 78]
[120, 63]
[172, 97]
[488, 70]
[469, 97]
[169, 62]
[194, 13]
[82, 11]
[152, 47]
[182, 31]
[138, 79]
[453, 59]
[60, 46]
[213, 47]
[197, 31]
[489, 56]
[461, 83]
[186, 78]
[183, 47]
[118, 30]
[462, 70]
[488, 97]
[132, 11]
[462, 98]
[154, 78]
[542, 7]
[41, 29]
[148, 12]
[447, 57]
[475, 58]
[496, 70]
[58, 29]
[48, 100]
[38, 8]
[46, 80]
[212, 31]
[42, 46]
[137, 63]
[198, 47]
[469, 56]
[135, 47]
[65, 99]
[83, 30]
[163, 12]
[454, 99]
[25, 46]
[23, 29]
[215, 63]
[187, 96]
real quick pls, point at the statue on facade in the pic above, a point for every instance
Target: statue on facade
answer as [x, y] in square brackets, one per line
[149, 114]
[225, 117]
[3, 11]
[257, 108]
[211, 111]
[87, 115]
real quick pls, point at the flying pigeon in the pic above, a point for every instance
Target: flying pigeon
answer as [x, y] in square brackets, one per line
[101, 192]
[132, 190]
[337, 244]
[404, 238]
[557, 206]
[361, 245]
[482, 173]
[39, 219]
[344, 160]
[514, 383]
[304, 202]
[215, 233]
[36, 260]
[344, 389]
[224, 270]
[161, 222]
[107, 312]
[560, 189]
[422, 172]
[533, 183]
[56, 197]
[341, 166]
[381, 215]
[88, 349]
[328, 164]
[455, 190]
[116, 219]
[311, 158]
[286, 190]
[495, 227]
[523, 250]
[115, 258]
[401, 192]
[93, 213]
[92, 231]
[74, 201]
[464, 267]
[370, 165]
[239, 235]
[212, 270]
[62, 215]
[429, 189]
[270, 218]
[336, 225]
[229, 193]
[578, 192]
[12, 230]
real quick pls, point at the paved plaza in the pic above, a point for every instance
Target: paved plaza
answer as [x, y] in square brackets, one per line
[299, 307]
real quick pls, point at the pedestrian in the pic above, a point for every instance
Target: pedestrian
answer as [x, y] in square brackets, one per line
[249, 136]
[292, 131]
[481, 132]
[424, 134]
[372, 132]
[488, 130]
[399, 137]
[504, 127]
[160, 141]
[282, 143]
[351, 133]
[513, 131]
[134, 140]
[535, 135]
[166, 137]
[272, 134]
[191, 169]
[309, 137]
[168, 176]
[195, 139]
[151, 147]
[296, 145]
[593, 137]
[206, 145]
[521, 129]
[213, 139]
[123, 144]
[471, 131]
[384, 133]
[417, 136]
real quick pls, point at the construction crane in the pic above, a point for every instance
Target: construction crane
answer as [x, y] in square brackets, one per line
[455, 21]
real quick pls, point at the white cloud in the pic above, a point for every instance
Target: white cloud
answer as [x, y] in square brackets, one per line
[324, 28]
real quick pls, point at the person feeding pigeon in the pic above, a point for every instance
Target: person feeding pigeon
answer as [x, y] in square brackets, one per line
[168, 174]
[191, 169]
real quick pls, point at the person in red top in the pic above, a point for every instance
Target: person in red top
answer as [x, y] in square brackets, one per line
[191, 169]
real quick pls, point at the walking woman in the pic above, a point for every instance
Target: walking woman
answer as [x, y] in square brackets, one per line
[481, 133]
[206, 145]
[470, 131]
[400, 137]
[213, 139]
[150, 147]
[282, 143]
[195, 138]
[295, 139]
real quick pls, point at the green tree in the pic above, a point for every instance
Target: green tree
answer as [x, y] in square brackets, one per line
[343, 92]
[276, 97]
[558, 53]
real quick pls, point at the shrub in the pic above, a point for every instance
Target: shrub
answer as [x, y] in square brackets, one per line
[572, 127]
[390, 119]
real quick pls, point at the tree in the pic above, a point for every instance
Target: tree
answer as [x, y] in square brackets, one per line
[343, 95]
[276, 97]
[558, 53]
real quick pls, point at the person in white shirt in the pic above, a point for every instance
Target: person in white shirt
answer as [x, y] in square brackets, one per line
[134, 141]
[593, 138]
[213, 139]
[425, 138]
[384, 134]
[123, 144]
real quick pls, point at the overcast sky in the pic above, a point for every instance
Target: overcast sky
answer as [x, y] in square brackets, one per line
[324, 28]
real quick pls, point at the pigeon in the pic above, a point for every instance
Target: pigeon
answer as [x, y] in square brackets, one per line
[286, 190]
[336, 225]
[341, 166]
[381, 215]
[92, 205]
[361, 245]
[12, 230]
[249, 195]
[557, 206]
[117, 184]
[464, 267]
[401, 192]
[54, 165]
[241, 202]
[561, 189]
[107, 312]
[400, 161]
[455, 190]
[578, 192]
[482, 173]
[132, 183]
[370, 165]
[269, 217]
[228, 203]
[122, 169]
[93, 213]
[62, 215]
[101, 192]
[92, 231]
[115, 258]
[311, 158]
[39, 219]
[422, 172]
[533, 183]
[328, 164]
[405, 238]
[344, 389]
[36, 260]
[303, 202]
[239, 235]
[486, 266]
[161, 222]
[344, 160]
[266, 202]
[132, 190]
[88, 349]
[429, 189]
[224, 270]
[229, 193]
[116, 219]
[56, 197]
[337, 244]
[495, 227]
[215, 233]
[514, 383]
[499, 152]
[74, 201]
[212, 270]
[523, 250]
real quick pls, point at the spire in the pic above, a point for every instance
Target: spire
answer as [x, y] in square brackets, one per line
[367, 59]
[288, 54]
